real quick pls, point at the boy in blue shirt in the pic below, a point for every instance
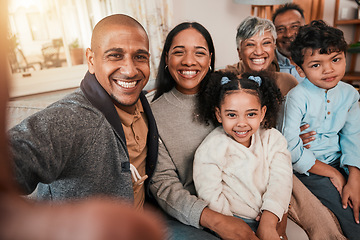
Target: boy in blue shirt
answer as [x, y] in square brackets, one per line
[330, 168]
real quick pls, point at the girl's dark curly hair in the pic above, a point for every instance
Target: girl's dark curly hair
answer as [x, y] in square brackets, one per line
[213, 93]
[314, 36]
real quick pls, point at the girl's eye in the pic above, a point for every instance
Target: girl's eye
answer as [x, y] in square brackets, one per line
[252, 114]
[231, 115]
[336, 59]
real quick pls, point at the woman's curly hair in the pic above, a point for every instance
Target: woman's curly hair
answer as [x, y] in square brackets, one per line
[214, 91]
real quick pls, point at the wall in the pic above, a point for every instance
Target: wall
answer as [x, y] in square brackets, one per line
[221, 18]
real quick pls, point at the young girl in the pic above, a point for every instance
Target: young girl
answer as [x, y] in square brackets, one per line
[243, 167]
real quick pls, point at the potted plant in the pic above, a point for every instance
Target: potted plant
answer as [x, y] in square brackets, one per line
[76, 53]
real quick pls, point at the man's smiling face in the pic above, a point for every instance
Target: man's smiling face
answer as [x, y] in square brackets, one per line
[120, 62]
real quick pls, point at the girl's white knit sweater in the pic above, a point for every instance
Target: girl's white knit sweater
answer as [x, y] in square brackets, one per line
[241, 181]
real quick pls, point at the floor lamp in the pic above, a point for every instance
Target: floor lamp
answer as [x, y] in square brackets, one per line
[264, 8]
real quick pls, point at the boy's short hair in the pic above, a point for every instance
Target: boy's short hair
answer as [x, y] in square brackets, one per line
[317, 35]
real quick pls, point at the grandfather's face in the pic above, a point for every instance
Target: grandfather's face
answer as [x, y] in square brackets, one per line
[287, 26]
[120, 62]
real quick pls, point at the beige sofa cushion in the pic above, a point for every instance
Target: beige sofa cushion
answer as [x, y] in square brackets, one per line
[19, 110]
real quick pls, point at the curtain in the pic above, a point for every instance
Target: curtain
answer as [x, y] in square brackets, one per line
[155, 16]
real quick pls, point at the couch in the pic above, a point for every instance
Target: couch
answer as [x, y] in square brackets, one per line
[20, 109]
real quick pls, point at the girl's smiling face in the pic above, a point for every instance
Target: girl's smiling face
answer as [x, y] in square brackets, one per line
[188, 60]
[240, 114]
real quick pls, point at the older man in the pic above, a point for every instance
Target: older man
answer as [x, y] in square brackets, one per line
[288, 18]
[90, 142]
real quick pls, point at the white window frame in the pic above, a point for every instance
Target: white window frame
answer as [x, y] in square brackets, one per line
[54, 79]
[46, 81]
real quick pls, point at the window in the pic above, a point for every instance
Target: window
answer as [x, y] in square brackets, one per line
[48, 39]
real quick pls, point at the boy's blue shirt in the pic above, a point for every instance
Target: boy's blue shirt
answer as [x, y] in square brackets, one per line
[335, 116]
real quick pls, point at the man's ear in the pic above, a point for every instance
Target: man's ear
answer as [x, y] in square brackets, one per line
[300, 71]
[90, 60]
[218, 115]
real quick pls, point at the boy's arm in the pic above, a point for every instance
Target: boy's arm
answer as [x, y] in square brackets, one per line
[351, 192]
[349, 135]
[294, 109]
[350, 157]
[323, 169]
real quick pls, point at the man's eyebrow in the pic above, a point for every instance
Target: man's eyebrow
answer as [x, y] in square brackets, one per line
[143, 51]
[283, 25]
[121, 50]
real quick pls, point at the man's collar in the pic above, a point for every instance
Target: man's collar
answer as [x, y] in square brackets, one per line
[101, 100]
[127, 118]
[282, 59]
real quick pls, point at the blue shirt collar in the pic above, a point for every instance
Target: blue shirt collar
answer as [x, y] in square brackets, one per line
[282, 60]
[311, 87]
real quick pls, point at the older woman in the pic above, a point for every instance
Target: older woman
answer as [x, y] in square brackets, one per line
[255, 41]
[187, 59]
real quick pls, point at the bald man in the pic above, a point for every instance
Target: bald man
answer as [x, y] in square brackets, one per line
[101, 139]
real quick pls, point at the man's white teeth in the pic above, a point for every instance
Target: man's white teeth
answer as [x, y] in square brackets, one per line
[188, 73]
[258, 60]
[126, 84]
